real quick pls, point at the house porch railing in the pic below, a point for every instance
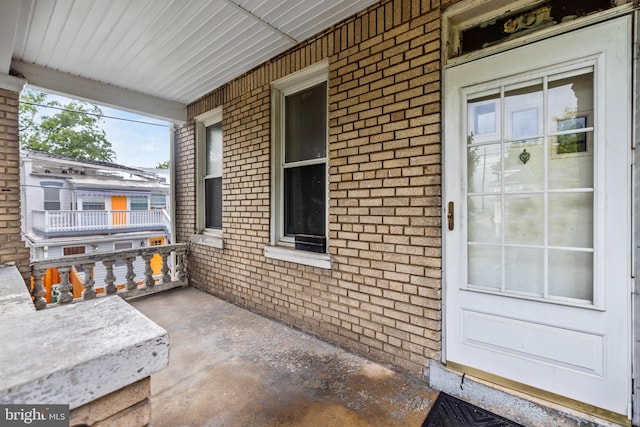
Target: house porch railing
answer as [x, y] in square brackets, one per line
[171, 255]
[56, 222]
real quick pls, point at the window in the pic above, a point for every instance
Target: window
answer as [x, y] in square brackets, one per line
[92, 203]
[138, 203]
[300, 163]
[51, 198]
[210, 144]
[158, 201]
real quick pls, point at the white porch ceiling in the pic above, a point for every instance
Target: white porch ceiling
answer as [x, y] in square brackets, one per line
[153, 56]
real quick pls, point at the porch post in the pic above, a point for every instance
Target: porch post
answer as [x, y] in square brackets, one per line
[13, 248]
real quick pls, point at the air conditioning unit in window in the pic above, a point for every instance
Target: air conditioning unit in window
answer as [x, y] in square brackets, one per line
[310, 243]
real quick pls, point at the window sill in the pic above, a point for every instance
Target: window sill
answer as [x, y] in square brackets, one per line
[208, 240]
[299, 257]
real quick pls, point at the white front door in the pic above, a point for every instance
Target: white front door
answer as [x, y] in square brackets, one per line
[538, 245]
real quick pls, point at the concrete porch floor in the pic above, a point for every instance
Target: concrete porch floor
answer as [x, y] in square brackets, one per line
[231, 367]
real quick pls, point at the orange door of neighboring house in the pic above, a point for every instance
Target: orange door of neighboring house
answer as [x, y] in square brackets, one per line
[118, 203]
[156, 261]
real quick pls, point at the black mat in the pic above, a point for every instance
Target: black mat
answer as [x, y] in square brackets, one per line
[449, 411]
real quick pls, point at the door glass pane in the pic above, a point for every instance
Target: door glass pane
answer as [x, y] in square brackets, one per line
[570, 102]
[571, 220]
[571, 274]
[484, 118]
[306, 124]
[524, 166]
[484, 266]
[523, 111]
[524, 219]
[305, 200]
[524, 270]
[484, 224]
[568, 167]
[483, 168]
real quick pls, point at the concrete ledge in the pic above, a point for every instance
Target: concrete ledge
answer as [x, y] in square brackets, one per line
[526, 410]
[14, 296]
[77, 353]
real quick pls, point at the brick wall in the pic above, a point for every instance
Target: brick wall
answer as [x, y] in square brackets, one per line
[382, 296]
[12, 247]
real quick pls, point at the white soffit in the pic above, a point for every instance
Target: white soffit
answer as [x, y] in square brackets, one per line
[164, 53]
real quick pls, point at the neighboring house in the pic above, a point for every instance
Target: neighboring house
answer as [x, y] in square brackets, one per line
[444, 186]
[73, 206]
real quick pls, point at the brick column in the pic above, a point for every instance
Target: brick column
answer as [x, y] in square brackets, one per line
[12, 246]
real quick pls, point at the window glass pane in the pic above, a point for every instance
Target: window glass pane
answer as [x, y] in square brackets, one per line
[158, 201]
[483, 119]
[305, 200]
[483, 220]
[571, 274]
[51, 199]
[524, 219]
[484, 168]
[570, 102]
[569, 165]
[524, 271]
[213, 202]
[485, 266]
[523, 111]
[138, 203]
[571, 220]
[306, 124]
[92, 203]
[214, 150]
[524, 165]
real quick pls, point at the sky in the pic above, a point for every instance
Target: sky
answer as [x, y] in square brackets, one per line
[135, 144]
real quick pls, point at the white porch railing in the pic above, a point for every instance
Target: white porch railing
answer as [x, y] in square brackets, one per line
[167, 279]
[75, 221]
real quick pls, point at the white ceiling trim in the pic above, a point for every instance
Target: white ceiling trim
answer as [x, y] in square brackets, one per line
[9, 13]
[101, 93]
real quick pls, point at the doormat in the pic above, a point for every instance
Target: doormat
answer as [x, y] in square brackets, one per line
[449, 411]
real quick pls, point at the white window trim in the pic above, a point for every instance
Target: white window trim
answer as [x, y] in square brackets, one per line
[206, 236]
[282, 247]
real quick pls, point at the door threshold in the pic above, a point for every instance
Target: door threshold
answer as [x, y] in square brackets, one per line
[515, 401]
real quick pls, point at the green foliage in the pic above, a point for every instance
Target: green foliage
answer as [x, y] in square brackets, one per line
[163, 165]
[69, 131]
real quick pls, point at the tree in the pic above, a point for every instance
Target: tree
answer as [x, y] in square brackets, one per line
[163, 165]
[73, 130]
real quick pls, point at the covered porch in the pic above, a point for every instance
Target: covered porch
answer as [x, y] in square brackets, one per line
[229, 366]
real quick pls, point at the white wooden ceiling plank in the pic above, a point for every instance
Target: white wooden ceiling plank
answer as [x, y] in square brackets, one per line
[208, 30]
[260, 49]
[63, 57]
[205, 86]
[121, 34]
[326, 18]
[59, 35]
[147, 64]
[38, 25]
[211, 64]
[72, 59]
[140, 38]
[23, 25]
[9, 14]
